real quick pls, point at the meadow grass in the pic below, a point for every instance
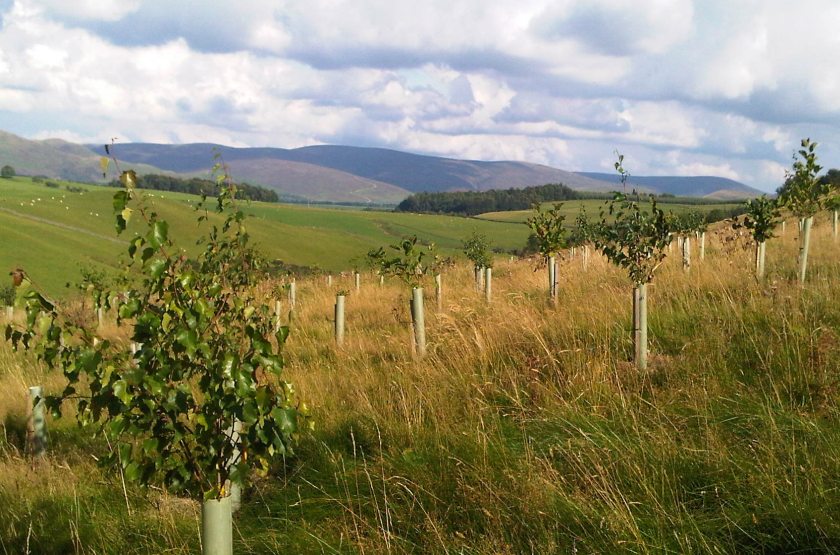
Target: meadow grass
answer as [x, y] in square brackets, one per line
[525, 430]
[52, 232]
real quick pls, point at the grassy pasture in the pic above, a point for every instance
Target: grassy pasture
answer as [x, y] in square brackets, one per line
[571, 208]
[52, 232]
[525, 430]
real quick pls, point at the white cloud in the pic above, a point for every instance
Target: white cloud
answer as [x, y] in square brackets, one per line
[683, 86]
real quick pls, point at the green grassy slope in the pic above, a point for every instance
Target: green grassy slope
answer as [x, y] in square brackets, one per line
[52, 232]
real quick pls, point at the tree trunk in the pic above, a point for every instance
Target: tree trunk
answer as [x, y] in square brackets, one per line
[234, 488]
[418, 320]
[760, 248]
[640, 325]
[803, 247]
[339, 319]
[216, 527]
[488, 284]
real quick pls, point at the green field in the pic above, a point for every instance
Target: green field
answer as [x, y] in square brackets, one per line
[571, 209]
[52, 232]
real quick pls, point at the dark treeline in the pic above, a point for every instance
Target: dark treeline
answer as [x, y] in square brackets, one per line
[470, 203]
[198, 186]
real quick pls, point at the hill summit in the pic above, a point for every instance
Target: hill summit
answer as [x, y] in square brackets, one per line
[334, 173]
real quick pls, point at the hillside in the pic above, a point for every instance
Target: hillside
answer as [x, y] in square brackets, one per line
[52, 232]
[719, 188]
[54, 158]
[402, 170]
[334, 173]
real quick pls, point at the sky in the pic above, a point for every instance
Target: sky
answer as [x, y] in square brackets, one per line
[680, 87]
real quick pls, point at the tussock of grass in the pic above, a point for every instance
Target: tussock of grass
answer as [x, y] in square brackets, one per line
[525, 430]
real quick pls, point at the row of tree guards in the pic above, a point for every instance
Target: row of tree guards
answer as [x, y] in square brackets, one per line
[263, 417]
[762, 212]
[477, 250]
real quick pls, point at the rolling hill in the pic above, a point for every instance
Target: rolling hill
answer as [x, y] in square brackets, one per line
[409, 173]
[52, 231]
[54, 158]
[719, 188]
[333, 173]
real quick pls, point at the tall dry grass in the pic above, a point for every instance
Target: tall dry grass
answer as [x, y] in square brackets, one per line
[526, 428]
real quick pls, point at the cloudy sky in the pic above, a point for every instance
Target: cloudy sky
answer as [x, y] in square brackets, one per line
[704, 87]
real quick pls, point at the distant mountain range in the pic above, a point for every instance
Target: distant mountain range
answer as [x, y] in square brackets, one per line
[720, 188]
[334, 173]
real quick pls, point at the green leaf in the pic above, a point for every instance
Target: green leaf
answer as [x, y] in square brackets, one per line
[158, 234]
[120, 390]
[286, 419]
[132, 472]
[151, 445]
[188, 339]
[157, 267]
[119, 200]
[282, 334]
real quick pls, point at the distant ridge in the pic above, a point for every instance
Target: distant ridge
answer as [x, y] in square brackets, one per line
[409, 172]
[334, 173]
[683, 186]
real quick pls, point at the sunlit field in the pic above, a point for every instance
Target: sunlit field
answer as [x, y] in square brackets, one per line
[526, 428]
[53, 233]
